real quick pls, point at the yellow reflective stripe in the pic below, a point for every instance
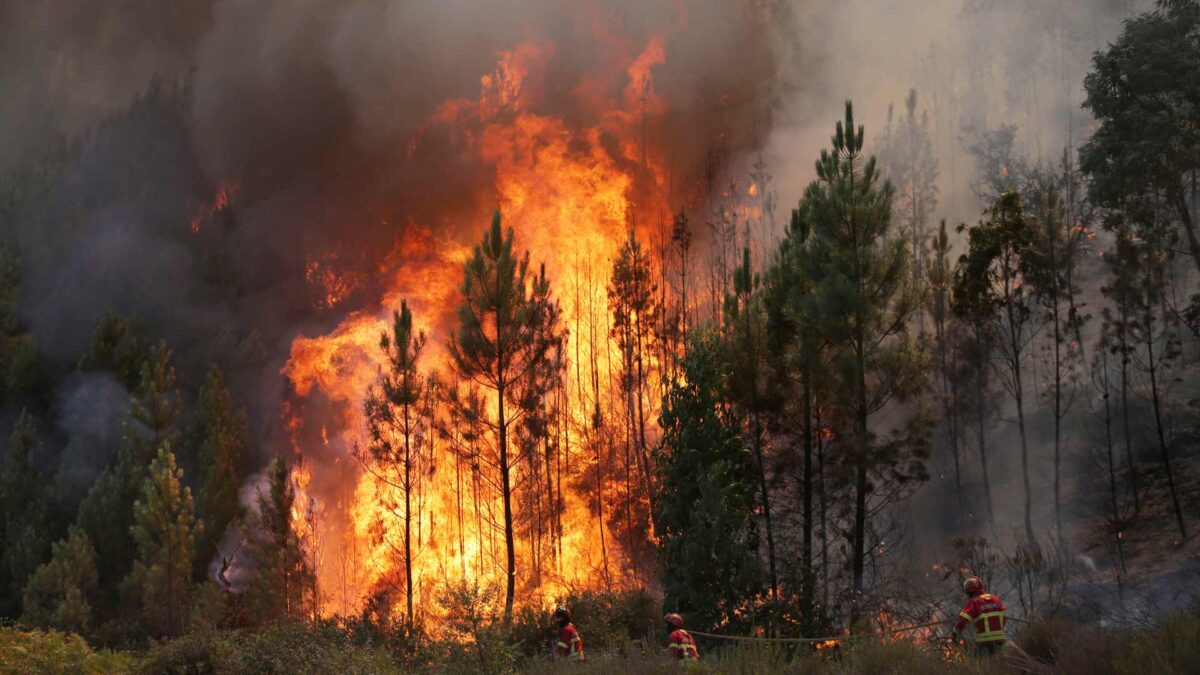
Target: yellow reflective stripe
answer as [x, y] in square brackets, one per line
[987, 634]
[965, 616]
[679, 645]
[562, 645]
[576, 639]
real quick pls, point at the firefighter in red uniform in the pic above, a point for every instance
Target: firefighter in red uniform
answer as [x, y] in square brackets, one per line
[680, 642]
[570, 645]
[985, 613]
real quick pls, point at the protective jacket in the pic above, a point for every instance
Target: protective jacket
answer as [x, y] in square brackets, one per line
[570, 645]
[682, 645]
[986, 614]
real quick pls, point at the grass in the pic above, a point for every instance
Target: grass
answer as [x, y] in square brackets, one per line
[1050, 646]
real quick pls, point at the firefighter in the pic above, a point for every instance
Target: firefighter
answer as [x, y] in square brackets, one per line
[985, 613]
[570, 645]
[679, 641]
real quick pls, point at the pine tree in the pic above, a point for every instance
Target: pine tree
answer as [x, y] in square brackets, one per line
[165, 531]
[633, 303]
[106, 513]
[398, 426]
[223, 450]
[911, 167]
[940, 304]
[61, 593]
[705, 510]
[24, 515]
[283, 578]
[508, 330]
[156, 408]
[861, 303]
[116, 348]
[1055, 292]
[793, 348]
[994, 283]
[746, 385]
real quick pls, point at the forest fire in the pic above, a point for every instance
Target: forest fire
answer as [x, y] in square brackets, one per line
[570, 191]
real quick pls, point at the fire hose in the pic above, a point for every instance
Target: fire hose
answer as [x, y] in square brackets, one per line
[838, 638]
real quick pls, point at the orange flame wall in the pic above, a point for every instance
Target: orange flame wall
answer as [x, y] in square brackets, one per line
[571, 191]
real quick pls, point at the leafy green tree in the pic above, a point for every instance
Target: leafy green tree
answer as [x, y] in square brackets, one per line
[707, 536]
[509, 328]
[165, 531]
[283, 577]
[60, 593]
[24, 515]
[398, 426]
[222, 453]
[995, 284]
[862, 300]
[1142, 91]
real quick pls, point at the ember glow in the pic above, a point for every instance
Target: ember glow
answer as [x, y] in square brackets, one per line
[569, 191]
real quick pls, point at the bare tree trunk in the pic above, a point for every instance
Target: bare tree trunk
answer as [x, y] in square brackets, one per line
[980, 378]
[1164, 453]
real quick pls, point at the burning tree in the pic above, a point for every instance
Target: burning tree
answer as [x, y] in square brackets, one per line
[398, 423]
[508, 330]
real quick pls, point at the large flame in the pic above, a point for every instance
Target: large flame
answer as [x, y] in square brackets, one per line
[572, 191]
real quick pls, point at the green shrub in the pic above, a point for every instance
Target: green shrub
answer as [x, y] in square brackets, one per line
[282, 648]
[53, 652]
[607, 621]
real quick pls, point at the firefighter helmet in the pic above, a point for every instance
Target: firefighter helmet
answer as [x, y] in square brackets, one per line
[561, 612]
[973, 585]
[674, 620]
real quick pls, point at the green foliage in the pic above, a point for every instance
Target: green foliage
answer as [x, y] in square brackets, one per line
[106, 513]
[54, 653]
[1142, 92]
[286, 647]
[283, 578]
[705, 521]
[165, 531]
[105, 516]
[608, 621]
[24, 374]
[478, 631]
[60, 594]
[116, 348]
[862, 299]
[156, 407]
[223, 450]
[24, 515]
